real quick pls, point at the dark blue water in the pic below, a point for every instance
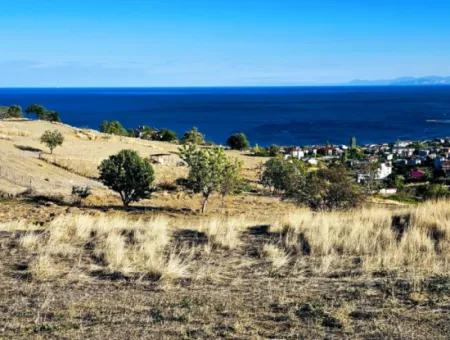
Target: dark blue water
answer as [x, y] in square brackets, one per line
[287, 116]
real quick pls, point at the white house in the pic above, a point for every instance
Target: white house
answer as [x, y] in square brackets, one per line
[298, 153]
[384, 170]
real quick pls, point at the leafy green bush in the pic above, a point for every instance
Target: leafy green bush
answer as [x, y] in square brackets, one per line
[238, 141]
[193, 136]
[166, 135]
[52, 139]
[42, 113]
[328, 189]
[14, 111]
[282, 175]
[129, 175]
[113, 127]
[436, 191]
[210, 171]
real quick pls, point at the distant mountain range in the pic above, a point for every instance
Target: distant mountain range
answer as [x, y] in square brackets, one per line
[404, 81]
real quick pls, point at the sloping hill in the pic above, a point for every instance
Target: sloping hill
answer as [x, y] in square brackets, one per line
[25, 162]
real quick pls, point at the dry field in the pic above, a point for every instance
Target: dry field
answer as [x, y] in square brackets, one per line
[256, 267]
[25, 162]
[85, 273]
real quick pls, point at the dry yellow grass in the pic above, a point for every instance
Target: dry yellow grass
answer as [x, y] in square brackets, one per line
[224, 232]
[415, 240]
[44, 267]
[125, 246]
[276, 255]
[421, 243]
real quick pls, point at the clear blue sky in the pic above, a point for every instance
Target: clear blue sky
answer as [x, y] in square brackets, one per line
[220, 42]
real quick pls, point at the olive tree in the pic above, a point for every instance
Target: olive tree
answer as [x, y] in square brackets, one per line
[238, 141]
[52, 139]
[209, 170]
[129, 175]
[281, 175]
[14, 111]
[193, 136]
[42, 113]
[328, 189]
[232, 181]
[113, 127]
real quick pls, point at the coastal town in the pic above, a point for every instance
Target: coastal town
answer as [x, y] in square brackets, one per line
[387, 167]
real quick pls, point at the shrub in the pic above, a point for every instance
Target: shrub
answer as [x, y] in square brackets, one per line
[52, 139]
[282, 175]
[14, 111]
[166, 135]
[209, 169]
[113, 127]
[232, 181]
[42, 113]
[436, 191]
[193, 136]
[238, 141]
[328, 189]
[81, 192]
[129, 175]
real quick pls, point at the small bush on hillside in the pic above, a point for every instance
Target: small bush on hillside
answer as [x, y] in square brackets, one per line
[238, 141]
[271, 151]
[81, 193]
[436, 191]
[14, 111]
[52, 139]
[42, 113]
[209, 170]
[193, 136]
[166, 135]
[129, 175]
[282, 175]
[114, 128]
[328, 189]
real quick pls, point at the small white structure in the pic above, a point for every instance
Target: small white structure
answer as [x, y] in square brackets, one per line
[384, 170]
[312, 161]
[298, 153]
[388, 191]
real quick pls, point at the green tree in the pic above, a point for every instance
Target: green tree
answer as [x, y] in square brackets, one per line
[42, 113]
[113, 127]
[282, 175]
[208, 170]
[273, 150]
[193, 136]
[238, 141]
[129, 175]
[328, 189]
[52, 116]
[37, 109]
[14, 111]
[436, 191]
[399, 182]
[232, 180]
[52, 139]
[353, 143]
[166, 135]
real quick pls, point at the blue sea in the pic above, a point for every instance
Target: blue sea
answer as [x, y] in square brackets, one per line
[268, 115]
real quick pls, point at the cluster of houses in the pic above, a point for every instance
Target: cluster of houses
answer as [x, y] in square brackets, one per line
[379, 161]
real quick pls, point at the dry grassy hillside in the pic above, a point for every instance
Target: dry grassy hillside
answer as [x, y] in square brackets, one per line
[76, 161]
[258, 267]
